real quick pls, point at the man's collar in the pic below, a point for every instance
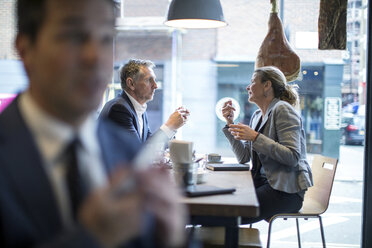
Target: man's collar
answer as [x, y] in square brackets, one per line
[139, 108]
[51, 133]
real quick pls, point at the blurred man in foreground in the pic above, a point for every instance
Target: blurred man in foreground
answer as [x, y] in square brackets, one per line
[60, 169]
[128, 109]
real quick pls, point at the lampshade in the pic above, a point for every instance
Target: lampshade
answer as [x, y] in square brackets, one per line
[195, 14]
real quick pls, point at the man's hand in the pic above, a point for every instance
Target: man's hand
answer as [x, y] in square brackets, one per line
[162, 200]
[113, 219]
[178, 118]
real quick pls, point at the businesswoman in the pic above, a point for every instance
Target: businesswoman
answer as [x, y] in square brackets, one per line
[275, 143]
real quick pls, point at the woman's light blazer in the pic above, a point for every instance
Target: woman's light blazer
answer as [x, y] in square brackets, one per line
[281, 147]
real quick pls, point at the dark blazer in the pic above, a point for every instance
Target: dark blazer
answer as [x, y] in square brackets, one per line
[121, 110]
[29, 215]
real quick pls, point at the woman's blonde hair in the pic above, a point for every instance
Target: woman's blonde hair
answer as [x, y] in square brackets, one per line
[282, 90]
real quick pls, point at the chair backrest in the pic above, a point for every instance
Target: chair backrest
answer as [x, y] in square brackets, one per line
[317, 197]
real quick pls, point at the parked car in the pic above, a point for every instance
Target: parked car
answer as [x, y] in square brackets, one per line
[352, 129]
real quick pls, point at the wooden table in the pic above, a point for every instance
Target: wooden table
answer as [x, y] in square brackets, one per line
[225, 209]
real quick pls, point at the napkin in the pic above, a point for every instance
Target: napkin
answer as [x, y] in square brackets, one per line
[180, 151]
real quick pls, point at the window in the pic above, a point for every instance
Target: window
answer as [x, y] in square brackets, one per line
[197, 68]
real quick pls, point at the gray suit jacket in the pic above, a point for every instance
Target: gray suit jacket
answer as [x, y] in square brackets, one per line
[281, 147]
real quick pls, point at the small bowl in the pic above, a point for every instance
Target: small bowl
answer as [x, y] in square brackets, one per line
[214, 157]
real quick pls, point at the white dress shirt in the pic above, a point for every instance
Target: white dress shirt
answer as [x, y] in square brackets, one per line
[52, 137]
[140, 110]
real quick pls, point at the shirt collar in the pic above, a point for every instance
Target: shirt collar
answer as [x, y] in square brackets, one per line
[140, 109]
[51, 134]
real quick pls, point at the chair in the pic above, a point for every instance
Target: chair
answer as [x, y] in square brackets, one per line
[214, 237]
[316, 198]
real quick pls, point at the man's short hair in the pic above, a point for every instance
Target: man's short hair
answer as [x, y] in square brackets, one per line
[132, 70]
[31, 15]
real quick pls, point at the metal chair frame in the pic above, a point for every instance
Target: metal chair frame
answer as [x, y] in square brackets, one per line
[316, 198]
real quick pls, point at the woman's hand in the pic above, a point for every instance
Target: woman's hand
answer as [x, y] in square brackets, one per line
[228, 112]
[242, 132]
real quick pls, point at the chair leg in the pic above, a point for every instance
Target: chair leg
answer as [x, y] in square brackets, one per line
[322, 231]
[269, 234]
[298, 233]
[191, 232]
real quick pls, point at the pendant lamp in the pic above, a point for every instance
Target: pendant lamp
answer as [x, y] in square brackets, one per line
[195, 14]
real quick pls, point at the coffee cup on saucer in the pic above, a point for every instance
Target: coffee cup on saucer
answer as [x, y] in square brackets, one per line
[214, 157]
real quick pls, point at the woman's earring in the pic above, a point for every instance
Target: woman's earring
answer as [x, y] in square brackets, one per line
[265, 95]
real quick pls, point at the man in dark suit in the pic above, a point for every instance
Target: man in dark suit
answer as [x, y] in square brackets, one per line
[59, 193]
[128, 109]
